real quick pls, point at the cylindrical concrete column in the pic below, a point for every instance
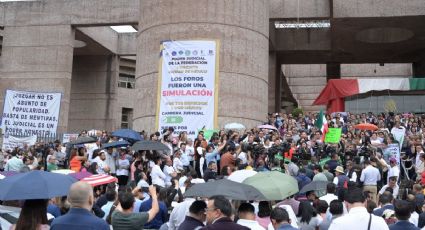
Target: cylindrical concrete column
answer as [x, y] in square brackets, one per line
[242, 28]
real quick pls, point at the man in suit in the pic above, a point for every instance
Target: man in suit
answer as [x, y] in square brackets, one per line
[386, 203]
[219, 210]
[79, 216]
[402, 212]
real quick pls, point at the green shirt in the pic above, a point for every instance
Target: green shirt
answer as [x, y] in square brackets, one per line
[51, 167]
[123, 221]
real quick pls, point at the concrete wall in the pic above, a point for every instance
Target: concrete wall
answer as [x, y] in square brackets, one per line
[303, 39]
[306, 82]
[283, 9]
[377, 8]
[375, 70]
[93, 93]
[242, 28]
[71, 12]
[38, 58]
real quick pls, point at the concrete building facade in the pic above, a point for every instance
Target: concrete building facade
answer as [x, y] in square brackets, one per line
[274, 54]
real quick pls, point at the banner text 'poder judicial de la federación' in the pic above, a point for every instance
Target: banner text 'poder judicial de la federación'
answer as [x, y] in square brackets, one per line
[188, 85]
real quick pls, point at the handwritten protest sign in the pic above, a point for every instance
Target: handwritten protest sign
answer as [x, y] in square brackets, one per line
[333, 135]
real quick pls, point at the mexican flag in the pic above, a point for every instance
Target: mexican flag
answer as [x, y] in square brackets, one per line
[340, 88]
[322, 124]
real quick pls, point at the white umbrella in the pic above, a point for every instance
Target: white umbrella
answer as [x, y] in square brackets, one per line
[234, 126]
[241, 175]
[63, 171]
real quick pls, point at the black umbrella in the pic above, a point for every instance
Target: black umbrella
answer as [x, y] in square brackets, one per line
[115, 144]
[83, 140]
[230, 189]
[149, 145]
[314, 186]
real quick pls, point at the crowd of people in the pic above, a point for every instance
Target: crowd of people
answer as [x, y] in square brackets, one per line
[366, 188]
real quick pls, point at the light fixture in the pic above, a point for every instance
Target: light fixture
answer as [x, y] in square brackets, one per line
[79, 44]
[302, 24]
[124, 29]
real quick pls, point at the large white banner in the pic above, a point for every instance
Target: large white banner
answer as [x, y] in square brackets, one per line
[30, 113]
[11, 142]
[188, 86]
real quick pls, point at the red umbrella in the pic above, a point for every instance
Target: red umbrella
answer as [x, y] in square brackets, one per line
[95, 180]
[366, 126]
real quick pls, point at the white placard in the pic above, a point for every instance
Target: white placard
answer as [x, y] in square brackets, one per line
[30, 113]
[393, 150]
[399, 134]
[68, 137]
[11, 142]
[188, 86]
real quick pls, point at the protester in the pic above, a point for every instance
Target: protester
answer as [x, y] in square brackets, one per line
[111, 196]
[196, 216]
[385, 202]
[219, 210]
[336, 210]
[402, 212]
[161, 215]
[123, 167]
[263, 215]
[124, 218]
[79, 217]
[358, 217]
[14, 163]
[370, 177]
[296, 148]
[33, 216]
[246, 214]
[308, 218]
[280, 219]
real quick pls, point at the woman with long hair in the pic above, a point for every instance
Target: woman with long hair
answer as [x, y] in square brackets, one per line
[307, 217]
[33, 216]
[76, 159]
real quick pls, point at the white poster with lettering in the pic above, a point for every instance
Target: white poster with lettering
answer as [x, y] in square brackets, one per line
[30, 113]
[188, 86]
[11, 142]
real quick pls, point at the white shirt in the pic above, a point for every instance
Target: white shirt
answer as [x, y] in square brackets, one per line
[123, 166]
[177, 164]
[184, 159]
[243, 157]
[111, 161]
[328, 198]
[358, 218]
[414, 218]
[370, 175]
[393, 171]
[252, 224]
[107, 208]
[168, 170]
[158, 177]
[418, 160]
[101, 165]
[190, 152]
[353, 177]
[179, 213]
[395, 190]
